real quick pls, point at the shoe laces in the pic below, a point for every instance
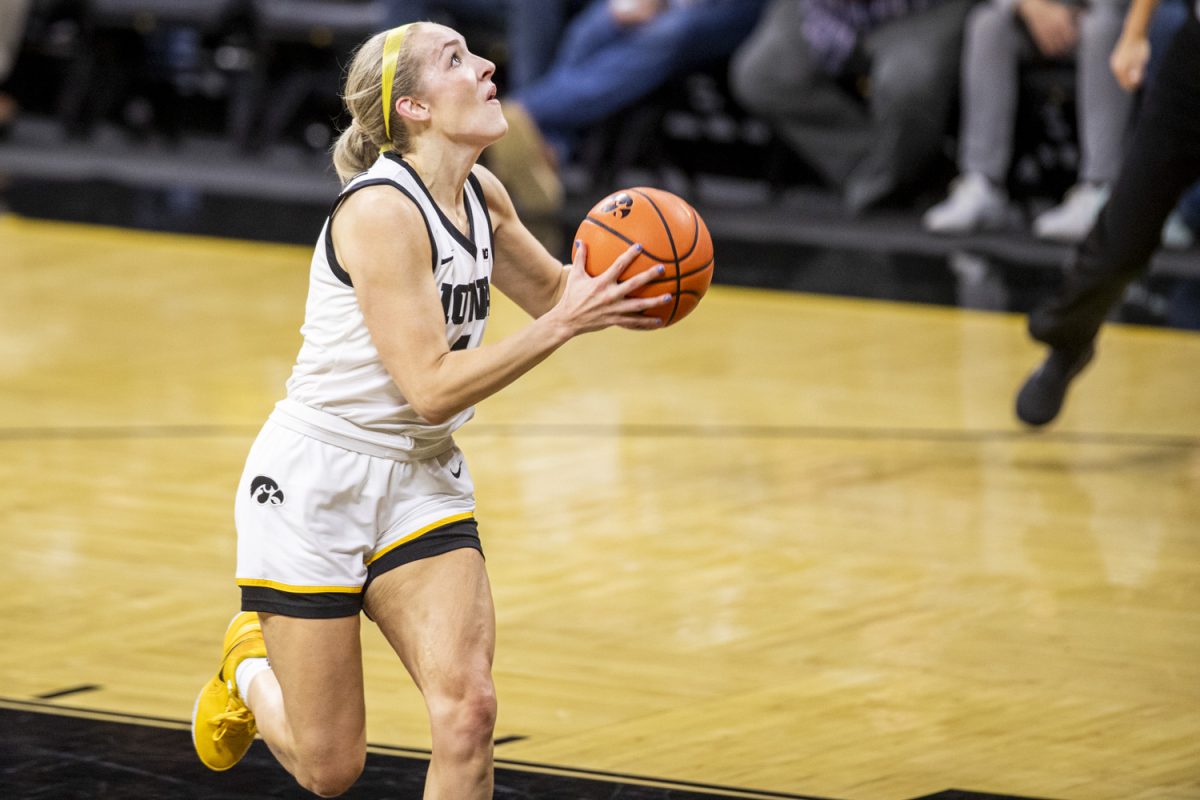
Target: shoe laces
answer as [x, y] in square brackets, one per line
[234, 719]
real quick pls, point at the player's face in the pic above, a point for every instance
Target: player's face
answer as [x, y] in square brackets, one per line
[458, 88]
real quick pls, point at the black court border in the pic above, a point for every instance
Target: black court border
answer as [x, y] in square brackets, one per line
[147, 720]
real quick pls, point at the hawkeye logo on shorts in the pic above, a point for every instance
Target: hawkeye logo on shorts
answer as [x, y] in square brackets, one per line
[264, 490]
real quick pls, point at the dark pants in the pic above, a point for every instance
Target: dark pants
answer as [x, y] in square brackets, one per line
[1163, 160]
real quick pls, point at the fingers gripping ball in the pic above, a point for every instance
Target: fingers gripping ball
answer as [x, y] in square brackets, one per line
[670, 232]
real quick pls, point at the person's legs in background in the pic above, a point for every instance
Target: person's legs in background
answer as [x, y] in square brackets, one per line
[1103, 119]
[993, 48]
[604, 67]
[774, 76]
[914, 75]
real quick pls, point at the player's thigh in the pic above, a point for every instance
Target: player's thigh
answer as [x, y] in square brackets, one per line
[438, 616]
[318, 663]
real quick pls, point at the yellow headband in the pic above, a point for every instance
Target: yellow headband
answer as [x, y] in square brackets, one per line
[391, 54]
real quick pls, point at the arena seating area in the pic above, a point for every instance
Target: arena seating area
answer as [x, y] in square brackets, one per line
[196, 103]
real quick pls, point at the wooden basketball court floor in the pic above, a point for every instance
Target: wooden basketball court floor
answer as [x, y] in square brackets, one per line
[795, 545]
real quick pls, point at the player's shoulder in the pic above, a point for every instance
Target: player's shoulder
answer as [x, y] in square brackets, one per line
[382, 204]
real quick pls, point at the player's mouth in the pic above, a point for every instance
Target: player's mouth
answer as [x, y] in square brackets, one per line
[491, 94]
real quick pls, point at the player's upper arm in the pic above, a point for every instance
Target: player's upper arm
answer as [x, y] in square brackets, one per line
[381, 240]
[523, 269]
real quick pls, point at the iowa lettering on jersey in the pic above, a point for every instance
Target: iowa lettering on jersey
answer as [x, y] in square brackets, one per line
[466, 302]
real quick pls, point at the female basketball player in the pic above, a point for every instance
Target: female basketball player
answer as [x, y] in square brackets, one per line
[354, 496]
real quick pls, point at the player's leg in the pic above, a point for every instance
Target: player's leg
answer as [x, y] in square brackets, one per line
[309, 706]
[437, 614]
[305, 519]
[306, 702]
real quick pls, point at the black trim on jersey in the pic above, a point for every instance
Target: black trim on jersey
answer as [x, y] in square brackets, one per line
[487, 215]
[331, 256]
[467, 241]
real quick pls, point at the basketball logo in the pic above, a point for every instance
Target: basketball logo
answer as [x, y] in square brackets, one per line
[619, 206]
[264, 490]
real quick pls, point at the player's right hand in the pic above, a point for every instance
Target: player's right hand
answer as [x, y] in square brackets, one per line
[592, 303]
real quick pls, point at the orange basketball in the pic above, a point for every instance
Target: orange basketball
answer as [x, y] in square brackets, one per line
[670, 232]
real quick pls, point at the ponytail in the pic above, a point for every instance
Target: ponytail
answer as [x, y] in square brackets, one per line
[354, 152]
[357, 147]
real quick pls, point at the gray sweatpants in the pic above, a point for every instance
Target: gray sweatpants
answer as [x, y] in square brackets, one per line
[867, 150]
[994, 48]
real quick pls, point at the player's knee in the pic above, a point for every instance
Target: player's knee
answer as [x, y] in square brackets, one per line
[332, 774]
[465, 722]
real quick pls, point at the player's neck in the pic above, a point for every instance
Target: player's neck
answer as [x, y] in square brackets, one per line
[444, 170]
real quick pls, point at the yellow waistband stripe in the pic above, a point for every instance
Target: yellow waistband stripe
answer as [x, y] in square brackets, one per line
[286, 587]
[421, 532]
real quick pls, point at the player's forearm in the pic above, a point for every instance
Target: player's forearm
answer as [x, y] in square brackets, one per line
[462, 378]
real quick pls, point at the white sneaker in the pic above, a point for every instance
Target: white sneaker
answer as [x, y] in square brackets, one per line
[1072, 219]
[1177, 234]
[975, 203]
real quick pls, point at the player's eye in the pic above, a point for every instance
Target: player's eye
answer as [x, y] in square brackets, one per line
[455, 60]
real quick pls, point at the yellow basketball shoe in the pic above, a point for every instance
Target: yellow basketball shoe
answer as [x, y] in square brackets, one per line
[222, 727]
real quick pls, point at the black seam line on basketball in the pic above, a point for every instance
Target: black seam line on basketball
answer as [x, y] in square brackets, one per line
[651, 431]
[687, 274]
[86, 687]
[674, 251]
[624, 239]
[679, 259]
[579, 771]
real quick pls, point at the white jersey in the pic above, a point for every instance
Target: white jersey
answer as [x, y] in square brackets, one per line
[339, 384]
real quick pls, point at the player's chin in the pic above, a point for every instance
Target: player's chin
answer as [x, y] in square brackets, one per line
[494, 126]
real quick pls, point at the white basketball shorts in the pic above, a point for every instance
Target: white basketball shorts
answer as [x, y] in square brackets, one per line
[317, 522]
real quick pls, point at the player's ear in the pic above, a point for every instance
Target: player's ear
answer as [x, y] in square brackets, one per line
[411, 108]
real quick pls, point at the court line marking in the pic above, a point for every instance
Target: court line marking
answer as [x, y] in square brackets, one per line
[647, 431]
[38, 706]
[87, 687]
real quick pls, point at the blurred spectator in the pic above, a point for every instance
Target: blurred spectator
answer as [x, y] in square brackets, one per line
[13, 15]
[614, 53]
[1179, 232]
[1000, 35]
[861, 89]
[532, 28]
[1162, 162]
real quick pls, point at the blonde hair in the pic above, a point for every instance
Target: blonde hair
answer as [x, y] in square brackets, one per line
[359, 145]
